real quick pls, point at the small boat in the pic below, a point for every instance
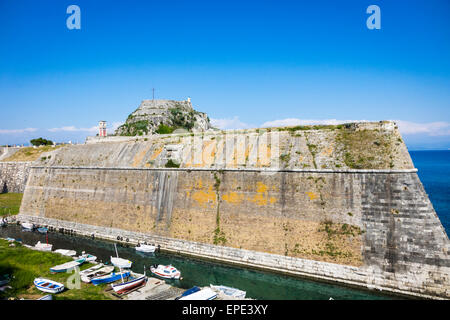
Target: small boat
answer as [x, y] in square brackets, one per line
[110, 277]
[88, 257]
[66, 252]
[188, 292]
[43, 246]
[42, 230]
[121, 263]
[123, 287]
[204, 294]
[49, 286]
[47, 297]
[166, 272]
[145, 248]
[67, 266]
[232, 292]
[27, 225]
[95, 271]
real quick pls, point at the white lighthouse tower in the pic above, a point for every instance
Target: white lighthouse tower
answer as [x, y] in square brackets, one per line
[102, 128]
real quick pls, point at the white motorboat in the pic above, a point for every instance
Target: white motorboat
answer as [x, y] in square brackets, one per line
[204, 294]
[43, 246]
[47, 285]
[95, 271]
[121, 263]
[145, 248]
[27, 225]
[66, 252]
[167, 272]
[232, 292]
[88, 257]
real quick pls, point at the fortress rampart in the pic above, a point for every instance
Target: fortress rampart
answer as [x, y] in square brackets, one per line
[13, 176]
[344, 204]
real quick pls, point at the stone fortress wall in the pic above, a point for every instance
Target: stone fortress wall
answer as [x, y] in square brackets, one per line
[342, 203]
[13, 176]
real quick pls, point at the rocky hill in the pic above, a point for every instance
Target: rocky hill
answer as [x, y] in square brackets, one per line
[163, 116]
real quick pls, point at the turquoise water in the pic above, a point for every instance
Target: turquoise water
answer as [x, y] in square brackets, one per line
[259, 285]
[434, 172]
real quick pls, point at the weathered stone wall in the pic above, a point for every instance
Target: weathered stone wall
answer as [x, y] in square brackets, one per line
[340, 202]
[13, 176]
[374, 227]
[360, 146]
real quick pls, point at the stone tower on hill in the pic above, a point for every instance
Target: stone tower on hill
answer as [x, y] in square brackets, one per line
[163, 116]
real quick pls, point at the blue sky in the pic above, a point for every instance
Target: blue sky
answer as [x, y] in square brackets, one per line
[245, 63]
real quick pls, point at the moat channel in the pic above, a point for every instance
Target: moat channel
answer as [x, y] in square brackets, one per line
[195, 272]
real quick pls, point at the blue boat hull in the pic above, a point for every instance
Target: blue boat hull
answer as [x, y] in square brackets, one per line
[42, 230]
[112, 278]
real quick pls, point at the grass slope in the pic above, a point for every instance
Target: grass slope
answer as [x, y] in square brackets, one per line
[10, 203]
[25, 265]
[30, 153]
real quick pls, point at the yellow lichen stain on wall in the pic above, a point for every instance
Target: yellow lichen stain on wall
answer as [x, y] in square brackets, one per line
[311, 195]
[205, 197]
[208, 154]
[264, 153]
[327, 151]
[247, 152]
[261, 187]
[139, 157]
[156, 154]
[199, 184]
[233, 197]
[262, 196]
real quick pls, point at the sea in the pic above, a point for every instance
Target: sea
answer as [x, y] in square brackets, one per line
[434, 173]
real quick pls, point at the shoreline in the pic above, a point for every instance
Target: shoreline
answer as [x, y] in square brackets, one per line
[167, 245]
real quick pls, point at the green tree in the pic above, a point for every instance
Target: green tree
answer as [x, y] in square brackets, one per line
[41, 142]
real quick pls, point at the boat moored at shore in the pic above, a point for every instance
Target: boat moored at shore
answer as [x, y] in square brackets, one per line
[123, 287]
[47, 285]
[203, 294]
[66, 252]
[67, 266]
[27, 226]
[95, 271]
[145, 248]
[42, 230]
[43, 246]
[166, 272]
[110, 277]
[229, 291]
[88, 257]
